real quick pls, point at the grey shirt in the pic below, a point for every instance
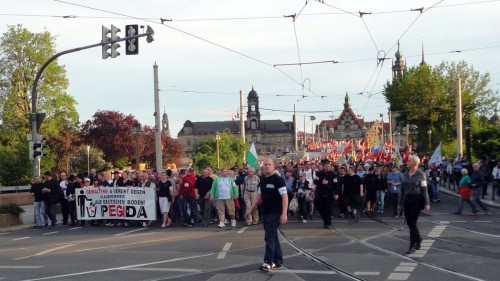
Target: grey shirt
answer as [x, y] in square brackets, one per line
[416, 184]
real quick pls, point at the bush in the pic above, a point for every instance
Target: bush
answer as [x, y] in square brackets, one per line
[11, 208]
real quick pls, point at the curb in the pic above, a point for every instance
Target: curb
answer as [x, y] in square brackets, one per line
[488, 202]
[16, 228]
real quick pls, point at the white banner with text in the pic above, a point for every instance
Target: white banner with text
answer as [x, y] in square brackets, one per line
[128, 203]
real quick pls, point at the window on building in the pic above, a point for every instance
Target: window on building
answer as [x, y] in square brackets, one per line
[253, 124]
[188, 143]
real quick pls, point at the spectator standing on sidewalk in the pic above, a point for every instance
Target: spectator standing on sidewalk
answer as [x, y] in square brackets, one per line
[274, 197]
[38, 204]
[496, 179]
[52, 192]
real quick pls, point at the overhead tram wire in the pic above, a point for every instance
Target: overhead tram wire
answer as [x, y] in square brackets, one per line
[194, 36]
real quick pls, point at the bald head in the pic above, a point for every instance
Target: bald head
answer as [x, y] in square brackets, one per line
[268, 166]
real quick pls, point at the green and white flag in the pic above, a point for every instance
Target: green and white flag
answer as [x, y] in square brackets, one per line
[251, 157]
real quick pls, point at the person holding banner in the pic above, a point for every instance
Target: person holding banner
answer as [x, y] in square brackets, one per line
[164, 191]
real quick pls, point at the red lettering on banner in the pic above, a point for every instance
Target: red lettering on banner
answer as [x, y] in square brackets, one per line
[112, 210]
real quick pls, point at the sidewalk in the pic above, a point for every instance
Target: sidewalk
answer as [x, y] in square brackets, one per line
[487, 199]
[28, 220]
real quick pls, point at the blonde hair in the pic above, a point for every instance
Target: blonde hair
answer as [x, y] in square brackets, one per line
[464, 171]
[415, 159]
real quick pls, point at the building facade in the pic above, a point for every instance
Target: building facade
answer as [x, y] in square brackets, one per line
[270, 136]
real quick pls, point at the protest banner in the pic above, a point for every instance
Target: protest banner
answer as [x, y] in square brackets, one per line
[116, 203]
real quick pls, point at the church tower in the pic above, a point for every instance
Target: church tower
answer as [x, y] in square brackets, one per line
[398, 67]
[253, 113]
[164, 123]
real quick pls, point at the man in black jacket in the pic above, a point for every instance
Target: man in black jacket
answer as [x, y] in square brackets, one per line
[326, 187]
[52, 193]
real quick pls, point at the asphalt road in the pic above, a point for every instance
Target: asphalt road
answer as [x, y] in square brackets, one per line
[455, 248]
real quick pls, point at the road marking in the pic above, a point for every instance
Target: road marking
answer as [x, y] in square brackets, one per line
[20, 266]
[398, 276]
[128, 232]
[242, 229]
[49, 233]
[74, 228]
[444, 222]
[405, 268]
[46, 251]
[298, 271]
[3, 233]
[483, 221]
[193, 270]
[21, 238]
[366, 273]
[226, 248]
[459, 221]
[119, 268]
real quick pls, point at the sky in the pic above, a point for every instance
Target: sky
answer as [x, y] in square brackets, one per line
[210, 50]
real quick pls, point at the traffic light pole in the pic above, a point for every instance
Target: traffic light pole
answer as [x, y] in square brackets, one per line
[34, 96]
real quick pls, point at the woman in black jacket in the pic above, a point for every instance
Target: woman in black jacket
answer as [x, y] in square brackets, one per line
[303, 191]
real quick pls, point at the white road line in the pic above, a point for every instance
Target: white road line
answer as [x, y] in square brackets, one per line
[242, 229]
[483, 221]
[408, 264]
[194, 270]
[398, 276]
[226, 248]
[405, 268]
[74, 228]
[366, 273]
[119, 268]
[298, 271]
[46, 251]
[444, 222]
[49, 233]
[20, 238]
[132, 231]
[20, 266]
[3, 233]
[458, 221]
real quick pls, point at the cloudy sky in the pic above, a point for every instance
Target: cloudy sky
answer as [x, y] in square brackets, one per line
[210, 50]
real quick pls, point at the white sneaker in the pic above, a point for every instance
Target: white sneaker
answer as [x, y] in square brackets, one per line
[163, 226]
[304, 221]
[233, 222]
[221, 225]
[226, 221]
[144, 224]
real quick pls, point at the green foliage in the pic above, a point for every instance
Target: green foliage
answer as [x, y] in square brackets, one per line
[120, 163]
[486, 141]
[231, 152]
[11, 208]
[449, 149]
[15, 166]
[78, 162]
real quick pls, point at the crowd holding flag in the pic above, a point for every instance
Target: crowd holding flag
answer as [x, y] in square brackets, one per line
[251, 157]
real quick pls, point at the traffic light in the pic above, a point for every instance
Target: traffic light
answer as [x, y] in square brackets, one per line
[38, 146]
[114, 46]
[150, 38]
[132, 45]
[105, 39]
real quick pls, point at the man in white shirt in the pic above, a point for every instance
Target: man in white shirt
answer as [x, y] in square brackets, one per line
[496, 179]
[63, 184]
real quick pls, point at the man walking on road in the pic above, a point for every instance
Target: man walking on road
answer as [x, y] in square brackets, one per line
[273, 195]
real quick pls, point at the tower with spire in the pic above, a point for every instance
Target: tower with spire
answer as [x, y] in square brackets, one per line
[398, 66]
[253, 113]
[164, 123]
[423, 55]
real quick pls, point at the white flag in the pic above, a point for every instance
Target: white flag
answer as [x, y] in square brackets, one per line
[436, 157]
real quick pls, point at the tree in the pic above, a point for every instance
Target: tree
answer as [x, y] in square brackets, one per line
[486, 141]
[63, 147]
[78, 162]
[111, 131]
[172, 150]
[426, 96]
[14, 165]
[231, 150]
[22, 53]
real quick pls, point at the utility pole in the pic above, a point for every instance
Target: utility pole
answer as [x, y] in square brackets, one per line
[158, 152]
[242, 122]
[390, 127]
[305, 134]
[295, 140]
[460, 149]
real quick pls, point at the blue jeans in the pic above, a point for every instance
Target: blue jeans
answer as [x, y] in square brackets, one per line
[185, 202]
[303, 210]
[477, 197]
[435, 190]
[471, 202]
[380, 199]
[273, 254]
[39, 209]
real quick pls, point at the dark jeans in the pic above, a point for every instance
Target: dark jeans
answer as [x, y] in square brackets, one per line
[273, 254]
[395, 203]
[72, 211]
[50, 210]
[184, 202]
[342, 207]
[205, 207]
[324, 205]
[303, 206]
[64, 210]
[412, 212]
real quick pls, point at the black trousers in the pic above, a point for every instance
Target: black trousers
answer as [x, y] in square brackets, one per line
[64, 209]
[50, 210]
[324, 205]
[412, 204]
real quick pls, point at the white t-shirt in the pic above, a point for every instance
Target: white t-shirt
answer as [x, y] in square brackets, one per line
[224, 187]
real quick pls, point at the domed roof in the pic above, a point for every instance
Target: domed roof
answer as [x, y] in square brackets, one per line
[253, 94]
[398, 54]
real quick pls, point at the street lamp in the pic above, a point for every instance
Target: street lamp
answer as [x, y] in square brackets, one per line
[430, 139]
[136, 131]
[88, 159]
[217, 138]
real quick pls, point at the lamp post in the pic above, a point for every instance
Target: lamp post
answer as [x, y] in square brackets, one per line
[430, 139]
[136, 131]
[217, 139]
[88, 159]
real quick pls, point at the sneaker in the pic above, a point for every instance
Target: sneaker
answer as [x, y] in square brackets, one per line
[265, 267]
[109, 224]
[458, 213]
[249, 223]
[163, 226]
[144, 224]
[304, 221]
[221, 225]
[226, 221]
[276, 266]
[311, 217]
[233, 223]
[342, 215]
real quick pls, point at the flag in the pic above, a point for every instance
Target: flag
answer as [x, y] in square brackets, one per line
[436, 157]
[396, 157]
[251, 157]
